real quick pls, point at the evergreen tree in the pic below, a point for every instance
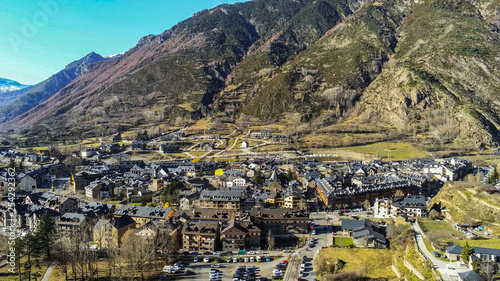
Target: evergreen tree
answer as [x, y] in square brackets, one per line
[45, 234]
[257, 178]
[12, 163]
[467, 252]
[168, 192]
[289, 175]
[492, 179]
[475, 266]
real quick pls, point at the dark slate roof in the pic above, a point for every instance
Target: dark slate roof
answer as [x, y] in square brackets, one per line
[470, 276]
[413, 201]
[352, 224]
[357, 224]
[221, 195]
[123, 221]
[486, 251]
[455, 249]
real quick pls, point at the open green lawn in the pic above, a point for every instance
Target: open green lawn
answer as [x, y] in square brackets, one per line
[343, 241]
[394, 151]
[198, 153]
[428, 225]
[140, 204]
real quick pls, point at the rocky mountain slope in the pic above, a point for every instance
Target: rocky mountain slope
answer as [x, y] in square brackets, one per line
[335, 72]
[19, 102]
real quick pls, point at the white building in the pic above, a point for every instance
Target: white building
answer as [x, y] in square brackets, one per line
[239, 181]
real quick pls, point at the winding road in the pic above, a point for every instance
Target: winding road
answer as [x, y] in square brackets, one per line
[440, 265]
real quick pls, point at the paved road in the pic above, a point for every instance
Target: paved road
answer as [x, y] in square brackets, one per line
[442, 266]
[48, 272]
[323, 238]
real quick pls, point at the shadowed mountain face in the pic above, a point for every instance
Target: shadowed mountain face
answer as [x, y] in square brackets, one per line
[18, 102]
[418, 70]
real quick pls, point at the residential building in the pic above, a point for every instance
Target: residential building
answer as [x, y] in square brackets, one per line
[413, 206]
[109, 232]
[364, 233]
[238, 235]
[200, 236]
[219, 199]
[142, 215]
[281, 221]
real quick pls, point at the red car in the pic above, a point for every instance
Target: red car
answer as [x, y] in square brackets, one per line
[286, 262]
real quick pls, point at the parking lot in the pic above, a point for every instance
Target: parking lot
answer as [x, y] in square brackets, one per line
[201, 270]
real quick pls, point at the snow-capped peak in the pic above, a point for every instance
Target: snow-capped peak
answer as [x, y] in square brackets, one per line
[7, 85]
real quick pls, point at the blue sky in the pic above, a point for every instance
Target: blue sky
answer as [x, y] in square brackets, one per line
[40, 37]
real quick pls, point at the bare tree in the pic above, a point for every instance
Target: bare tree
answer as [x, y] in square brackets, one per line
[270, 240]
[135, 253]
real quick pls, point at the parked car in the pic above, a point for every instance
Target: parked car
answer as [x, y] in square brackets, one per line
[252, 259]
[206, 259]
[313, 232]
[268, 258]
[215, 265]
[217, 253]
[246, 259]
[229, 259]
[195, 259]
[169, 269]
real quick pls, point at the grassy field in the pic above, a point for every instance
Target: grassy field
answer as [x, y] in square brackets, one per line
[416, 260]
[394, 151]
[186, 106]
[202, 124]
[374, 263]
[40, 270]
[266, 127]
[198, 153]
[180, 155]
[428, 225]
[490, 243]
[441, 233]
[343, 241]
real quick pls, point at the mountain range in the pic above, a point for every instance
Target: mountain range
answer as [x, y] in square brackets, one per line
[333, 72]
[7, 85]
[15, 103]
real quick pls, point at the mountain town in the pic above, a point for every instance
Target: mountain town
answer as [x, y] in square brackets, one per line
[262, 140]
[97, 209]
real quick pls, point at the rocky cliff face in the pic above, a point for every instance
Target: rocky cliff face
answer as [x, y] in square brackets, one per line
[375, 70]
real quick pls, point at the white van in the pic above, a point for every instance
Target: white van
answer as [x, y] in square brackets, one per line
[246, 259]
[258, 259]
[252, 259]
